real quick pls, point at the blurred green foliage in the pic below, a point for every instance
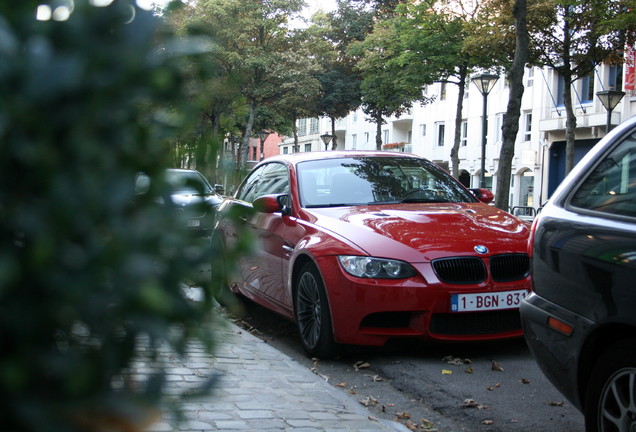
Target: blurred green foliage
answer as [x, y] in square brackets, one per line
[89, 270]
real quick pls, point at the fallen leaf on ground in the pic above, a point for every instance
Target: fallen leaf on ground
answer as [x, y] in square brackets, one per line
[447, 372]
[453, 360]
[342, 384]
[403, 415]
[361, 365]
[373, 418]
[472, 403]
[488, 422]
[490, 388]
[377, 378]
[369, 401]
[411, 426]
[556, 404]
[496, 366]
[524, 381]
[469, 369]
[427, 424]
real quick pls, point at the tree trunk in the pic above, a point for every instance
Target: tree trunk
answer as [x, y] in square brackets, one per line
[570, 124]
[513, 111]
[334, 139]
[295, 133]
[378, 130]
[245, 145]
[463, 72]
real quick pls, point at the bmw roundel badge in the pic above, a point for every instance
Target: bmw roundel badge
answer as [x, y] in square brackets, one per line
[481, 249]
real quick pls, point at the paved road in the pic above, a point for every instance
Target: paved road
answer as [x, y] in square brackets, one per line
[448, 387]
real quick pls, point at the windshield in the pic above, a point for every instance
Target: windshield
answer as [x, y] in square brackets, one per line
[376, 180]
[188, 182]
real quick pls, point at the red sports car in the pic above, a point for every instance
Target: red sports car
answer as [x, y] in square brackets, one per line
[360, 247]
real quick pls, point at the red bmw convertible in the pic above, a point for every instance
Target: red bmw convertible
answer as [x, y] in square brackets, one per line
[359, 247]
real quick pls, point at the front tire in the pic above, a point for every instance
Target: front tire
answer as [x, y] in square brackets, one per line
[313, 318]
[610, 402]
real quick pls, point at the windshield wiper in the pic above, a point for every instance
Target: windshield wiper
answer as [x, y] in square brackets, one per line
[422, 200]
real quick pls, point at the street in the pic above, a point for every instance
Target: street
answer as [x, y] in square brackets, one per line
[443, 387]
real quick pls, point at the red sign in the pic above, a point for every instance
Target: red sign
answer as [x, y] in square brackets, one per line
[630, 67]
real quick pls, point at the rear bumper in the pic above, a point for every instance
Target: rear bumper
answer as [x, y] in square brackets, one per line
[556, 353]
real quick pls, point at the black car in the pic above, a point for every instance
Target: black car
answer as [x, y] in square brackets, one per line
[580, 321]
[191, 195]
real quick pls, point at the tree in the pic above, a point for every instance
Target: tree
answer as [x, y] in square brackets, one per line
[92, 268]
[572, 37]
[253, 43]
[339, 80]
[513, 112]
[387, 88]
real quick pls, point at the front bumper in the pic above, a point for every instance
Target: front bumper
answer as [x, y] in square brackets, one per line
[370, 311]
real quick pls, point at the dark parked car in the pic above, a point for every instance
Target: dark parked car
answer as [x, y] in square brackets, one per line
[580, 322]
[191, 195]
[362, 247]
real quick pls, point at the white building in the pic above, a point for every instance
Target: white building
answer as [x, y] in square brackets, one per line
[538, 165]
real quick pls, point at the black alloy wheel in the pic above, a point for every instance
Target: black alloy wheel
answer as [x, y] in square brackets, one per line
[312, 313]
[610, 404]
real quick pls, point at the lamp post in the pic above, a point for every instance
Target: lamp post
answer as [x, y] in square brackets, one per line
[326, 139]
[262, 135]
[609, 99]
[484, 83]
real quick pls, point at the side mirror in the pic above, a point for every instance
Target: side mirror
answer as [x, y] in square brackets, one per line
[483, 195]
[272, 203]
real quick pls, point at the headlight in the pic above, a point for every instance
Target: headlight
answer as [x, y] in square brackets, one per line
[381, 268]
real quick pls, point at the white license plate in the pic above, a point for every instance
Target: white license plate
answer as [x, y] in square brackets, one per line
[193, 222]
[487, 301]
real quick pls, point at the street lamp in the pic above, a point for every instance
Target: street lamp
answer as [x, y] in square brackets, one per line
[326, 139]
[484, 83]
[609, 99]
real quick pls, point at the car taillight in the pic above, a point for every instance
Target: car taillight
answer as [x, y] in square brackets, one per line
[533, 230]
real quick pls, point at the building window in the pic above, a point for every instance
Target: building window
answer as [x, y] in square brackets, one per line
[499, 128]
[308, 147]
[464, 133]
[560, 90]
[285, 150]
[442, 91]
[313, 128]
[366, 137]
[354, 141]
[355, 117]
[530, 77]
[409, 137]
[587, 88]
[423, 129]
[302, 127]
[527, 133]
[385, 136]
[441, 131]
[615, 77]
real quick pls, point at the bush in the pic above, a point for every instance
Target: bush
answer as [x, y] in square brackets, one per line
[88, 269]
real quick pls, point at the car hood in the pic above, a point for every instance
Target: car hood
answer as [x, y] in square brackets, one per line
[423, 232]
[192, 199]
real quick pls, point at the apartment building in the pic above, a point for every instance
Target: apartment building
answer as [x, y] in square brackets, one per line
[538, 165]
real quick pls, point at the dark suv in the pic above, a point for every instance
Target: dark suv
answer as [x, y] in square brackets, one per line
[191, 195]
[580, 322]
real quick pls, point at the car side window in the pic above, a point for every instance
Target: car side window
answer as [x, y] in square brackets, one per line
[611, 186]
[272, 178]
